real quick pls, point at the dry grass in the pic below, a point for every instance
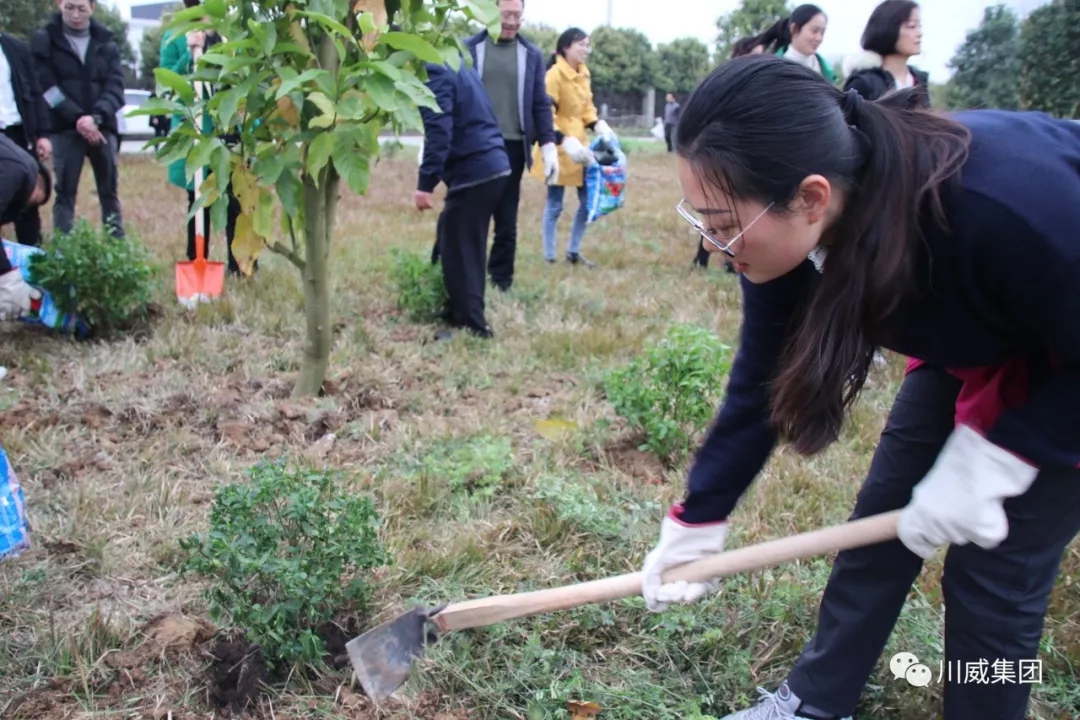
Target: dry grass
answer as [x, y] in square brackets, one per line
[120, 447]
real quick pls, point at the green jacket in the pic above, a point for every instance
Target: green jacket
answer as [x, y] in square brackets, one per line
[175, 56]
[826, 70]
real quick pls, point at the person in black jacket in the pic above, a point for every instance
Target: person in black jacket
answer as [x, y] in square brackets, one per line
[949, 239]
[80, 74]
[893, 35]
[24, 118]
[24, 183]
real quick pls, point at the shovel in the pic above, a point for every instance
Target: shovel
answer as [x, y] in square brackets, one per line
[383, 656]
[199, 280]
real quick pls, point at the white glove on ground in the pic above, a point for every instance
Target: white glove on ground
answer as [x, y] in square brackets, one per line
[960, 499]
[15, 295]
[550, 155]
[604, 130]
[680, 543]
[577, 152]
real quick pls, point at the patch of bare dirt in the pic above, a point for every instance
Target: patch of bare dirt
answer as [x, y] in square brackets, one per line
[623, 454]
[236, 671]
[172, 634]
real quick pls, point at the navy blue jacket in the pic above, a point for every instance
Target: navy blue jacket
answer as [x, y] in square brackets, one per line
[1004, 285]
[534, 104]
[462, 144]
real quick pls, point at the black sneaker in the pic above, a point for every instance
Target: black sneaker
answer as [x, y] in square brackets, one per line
[576, 259]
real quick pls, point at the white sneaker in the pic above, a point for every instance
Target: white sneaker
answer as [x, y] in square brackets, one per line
[781, 705]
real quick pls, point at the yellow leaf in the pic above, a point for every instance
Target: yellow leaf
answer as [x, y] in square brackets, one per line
[246, 190]
[553, 429]
[246, 244]
[287, 110]
[583, 710]
[326, 110]
[378, 10]
[297, 34]
[208, 190]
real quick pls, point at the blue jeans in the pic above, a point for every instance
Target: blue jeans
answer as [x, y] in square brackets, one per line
[552, 211]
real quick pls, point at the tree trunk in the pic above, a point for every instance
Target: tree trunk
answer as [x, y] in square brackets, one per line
[320, 206]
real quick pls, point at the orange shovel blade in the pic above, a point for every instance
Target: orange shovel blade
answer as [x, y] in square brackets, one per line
[199, 280]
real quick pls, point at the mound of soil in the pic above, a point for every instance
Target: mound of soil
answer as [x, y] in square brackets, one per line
[235, 673]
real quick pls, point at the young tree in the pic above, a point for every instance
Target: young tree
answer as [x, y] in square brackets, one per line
[1050, 59]
[751, 18]
[308, 85]
[987, 65]
[681, 65]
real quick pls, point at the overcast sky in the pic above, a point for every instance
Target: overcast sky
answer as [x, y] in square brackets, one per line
[945, 22]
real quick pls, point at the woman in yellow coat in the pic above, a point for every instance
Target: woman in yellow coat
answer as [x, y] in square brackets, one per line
[570, 89]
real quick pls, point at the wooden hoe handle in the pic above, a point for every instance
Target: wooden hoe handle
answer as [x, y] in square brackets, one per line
[493, 610]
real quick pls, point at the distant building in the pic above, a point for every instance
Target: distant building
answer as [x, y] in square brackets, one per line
[145, 17]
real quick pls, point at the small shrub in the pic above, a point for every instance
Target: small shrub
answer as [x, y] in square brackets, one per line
[107, 282]
[669, 393]
[285, 552]
[421, 293]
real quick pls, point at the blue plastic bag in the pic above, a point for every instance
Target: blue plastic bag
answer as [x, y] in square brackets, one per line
[14, 529]
[44, 313]
[605, 181]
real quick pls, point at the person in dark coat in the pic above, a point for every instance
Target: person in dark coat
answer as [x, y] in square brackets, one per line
[80, 74]
[512, 71]
[24, 183]
[24, 118]
[951, 239]
[463, 149]
[893, 35]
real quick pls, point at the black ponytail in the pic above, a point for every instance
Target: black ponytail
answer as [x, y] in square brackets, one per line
[755, 129]
[778, 34]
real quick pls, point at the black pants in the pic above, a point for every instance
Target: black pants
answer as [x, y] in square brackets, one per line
[995, 600]
[233, 212]
[504, 246]
[69, 153]
[461, 244]
[669, 136]
[28, 224]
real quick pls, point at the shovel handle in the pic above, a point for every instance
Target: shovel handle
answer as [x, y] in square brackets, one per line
[490, 611]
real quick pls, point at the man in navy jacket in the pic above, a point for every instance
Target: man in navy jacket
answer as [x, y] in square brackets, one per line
[464, 150]
[512, 70]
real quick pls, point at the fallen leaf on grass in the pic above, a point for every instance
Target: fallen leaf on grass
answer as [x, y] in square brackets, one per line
[583, 710]
[554, 428]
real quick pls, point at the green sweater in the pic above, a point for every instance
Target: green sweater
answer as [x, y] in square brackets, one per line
[175, 56]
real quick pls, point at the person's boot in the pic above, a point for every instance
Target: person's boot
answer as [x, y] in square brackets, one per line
[781, 705]
[577, 259]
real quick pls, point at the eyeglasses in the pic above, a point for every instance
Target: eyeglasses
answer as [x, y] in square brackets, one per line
[720, 244]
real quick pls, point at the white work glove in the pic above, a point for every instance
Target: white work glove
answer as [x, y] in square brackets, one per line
[550, 155]
[15, 295]
[680, 543]
[577, 152]
[604, 130]
[960, 500]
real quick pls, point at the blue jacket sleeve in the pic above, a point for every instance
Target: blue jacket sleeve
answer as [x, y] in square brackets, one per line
[742, 437]
[438, 127]
[543, 117]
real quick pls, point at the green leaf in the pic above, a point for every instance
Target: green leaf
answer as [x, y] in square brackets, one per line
[382, 92]
[215, 8]
[418, 46]
[175, 82]
[418, 93]
[292, 83]
[263, 220]
[319, 153]
[352, 162]
[328, 22]
[366, 23]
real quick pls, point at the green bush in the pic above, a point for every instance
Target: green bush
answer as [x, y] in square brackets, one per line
[421, 293]
[108, 282]
[669, 392]
[1050, 60]
[285, 552]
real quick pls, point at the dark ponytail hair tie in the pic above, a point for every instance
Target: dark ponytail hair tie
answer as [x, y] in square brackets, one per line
[851, 106]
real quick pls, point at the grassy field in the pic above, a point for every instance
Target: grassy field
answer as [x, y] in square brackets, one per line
[120, 448]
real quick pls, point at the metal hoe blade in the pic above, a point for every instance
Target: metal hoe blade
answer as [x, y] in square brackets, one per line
[383, 656]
